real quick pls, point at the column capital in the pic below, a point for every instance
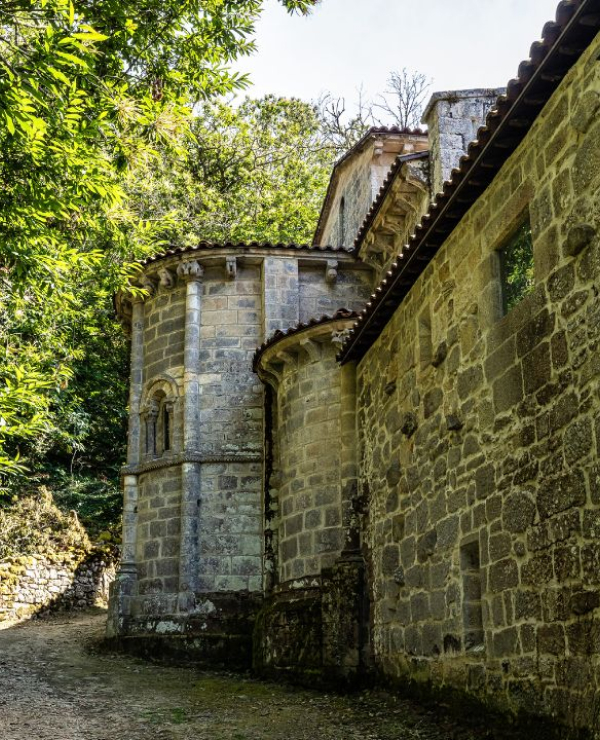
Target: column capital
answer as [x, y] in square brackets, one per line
[190, 271]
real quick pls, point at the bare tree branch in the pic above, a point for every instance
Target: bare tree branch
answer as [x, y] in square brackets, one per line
[339, 128]
[404, 98]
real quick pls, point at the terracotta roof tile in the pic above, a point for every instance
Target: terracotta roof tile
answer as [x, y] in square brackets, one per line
[563, 42]
[205, 246]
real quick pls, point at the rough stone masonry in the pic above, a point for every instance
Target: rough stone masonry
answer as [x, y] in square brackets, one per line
[354, 460]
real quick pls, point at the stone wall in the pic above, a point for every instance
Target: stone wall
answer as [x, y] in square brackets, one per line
[313, 624]
[357, 179]
[158, 534]
[30, 585]
[356, 188]
[480, 437]
[308, 464]
[194, 542]
[349, 290]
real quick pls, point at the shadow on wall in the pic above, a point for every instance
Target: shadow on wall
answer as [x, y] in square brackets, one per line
[31, 585]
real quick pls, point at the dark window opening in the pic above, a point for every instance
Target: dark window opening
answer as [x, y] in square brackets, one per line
[516, 261]
[342, 222]
[472, 607]
[166, 429]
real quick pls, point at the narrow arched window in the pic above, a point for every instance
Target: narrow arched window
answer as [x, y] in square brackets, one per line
[151, 427]
[342, 222]
[166, 428]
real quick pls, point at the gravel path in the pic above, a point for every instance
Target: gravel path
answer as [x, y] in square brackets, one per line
[53, 687]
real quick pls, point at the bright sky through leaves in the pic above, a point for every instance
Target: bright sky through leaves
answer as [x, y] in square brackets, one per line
[458, 43]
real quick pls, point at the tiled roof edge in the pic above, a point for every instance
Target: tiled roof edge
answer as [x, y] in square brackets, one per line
[340, 315]
[206, 246]
[514, 107]
[381, 196]
[372, 132]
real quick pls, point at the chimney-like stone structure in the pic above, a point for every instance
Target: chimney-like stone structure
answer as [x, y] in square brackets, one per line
[453, 118]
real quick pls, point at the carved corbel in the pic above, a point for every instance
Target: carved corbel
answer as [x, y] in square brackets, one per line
[286, 357]
[190, 270]
[339, 337]
[148, 285]
[331, 272]
[312, 349]
[272, 373]
[167, 279]
[231, 267]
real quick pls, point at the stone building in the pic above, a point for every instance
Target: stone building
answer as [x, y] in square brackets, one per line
[383, 458]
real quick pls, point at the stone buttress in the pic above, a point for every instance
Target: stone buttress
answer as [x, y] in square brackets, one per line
[315, 620]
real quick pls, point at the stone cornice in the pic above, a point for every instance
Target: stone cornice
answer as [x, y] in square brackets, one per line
[173, 268]
[189, 457]
[305, 338]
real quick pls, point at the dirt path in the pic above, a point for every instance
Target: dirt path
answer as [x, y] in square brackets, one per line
[53, 688]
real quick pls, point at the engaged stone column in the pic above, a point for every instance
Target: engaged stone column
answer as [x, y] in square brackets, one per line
[127, 570]
[135, 388]
[192, 273]
[130, 489]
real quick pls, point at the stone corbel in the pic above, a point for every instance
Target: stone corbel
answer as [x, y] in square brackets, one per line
[231, 267]
[339, 337]
[286, 357]
[272, 374]
[331, 272]
[312, 349]
[167, 279]
[190, 270]
[148, 285]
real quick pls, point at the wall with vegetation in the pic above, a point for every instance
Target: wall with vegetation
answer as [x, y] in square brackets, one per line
[48, 563]
[480, 437]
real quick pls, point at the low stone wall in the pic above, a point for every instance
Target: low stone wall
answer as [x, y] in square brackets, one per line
[29, 585]
[316, 632]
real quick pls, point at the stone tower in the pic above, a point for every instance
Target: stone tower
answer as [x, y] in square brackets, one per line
[194, 552]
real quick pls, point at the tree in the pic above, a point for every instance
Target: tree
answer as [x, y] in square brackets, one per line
[339, 128]
[253, 171]
[87, 91]
[404, 98]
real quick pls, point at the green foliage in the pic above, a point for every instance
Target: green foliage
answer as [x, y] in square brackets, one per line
[34, 525]
[89, 91]
[253, 172]
[517, 266]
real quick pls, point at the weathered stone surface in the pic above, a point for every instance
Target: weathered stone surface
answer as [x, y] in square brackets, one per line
[518, 512]
[472, 436]
[561, 493]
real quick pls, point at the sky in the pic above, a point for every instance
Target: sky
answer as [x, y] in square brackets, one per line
[459, 44]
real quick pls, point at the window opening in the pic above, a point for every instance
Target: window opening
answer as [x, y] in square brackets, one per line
[516, 264]
[342, 222]
[472, 607]
[166, 428]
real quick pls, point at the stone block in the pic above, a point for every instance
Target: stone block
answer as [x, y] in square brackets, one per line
[503, 575]
[505, 643]
[561, 493]
[508, 390]
[537, 369]
[518, 512]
